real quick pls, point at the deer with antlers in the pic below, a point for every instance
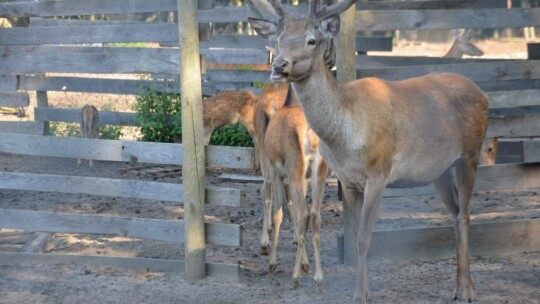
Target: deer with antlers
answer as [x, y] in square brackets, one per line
[376, 133]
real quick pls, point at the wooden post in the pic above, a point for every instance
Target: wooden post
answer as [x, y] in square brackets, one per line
[346, 71]
[193, 165]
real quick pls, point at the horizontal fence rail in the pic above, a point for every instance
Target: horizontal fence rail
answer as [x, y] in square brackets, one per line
[154, 229]
[114, 188]
[117, 150]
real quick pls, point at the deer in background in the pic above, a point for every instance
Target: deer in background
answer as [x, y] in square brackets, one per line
[376, 133]
[463, 46]
[228, 108]
[89, 126]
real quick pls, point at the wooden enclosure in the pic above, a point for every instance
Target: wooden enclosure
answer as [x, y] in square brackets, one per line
[52, 53]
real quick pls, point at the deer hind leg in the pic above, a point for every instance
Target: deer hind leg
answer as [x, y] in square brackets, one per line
[317, 188]
[267, 217]
[278, 192]
[455, 189]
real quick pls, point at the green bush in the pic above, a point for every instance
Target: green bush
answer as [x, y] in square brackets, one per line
[159, 116]
[234, 135]
[64, 129]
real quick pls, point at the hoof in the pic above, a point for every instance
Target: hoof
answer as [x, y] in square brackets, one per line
[305, 268]
[272, 268]
[265, 250]
[320, 287]
[295, 284]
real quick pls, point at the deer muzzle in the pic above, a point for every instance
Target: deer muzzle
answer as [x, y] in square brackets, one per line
[281, 68]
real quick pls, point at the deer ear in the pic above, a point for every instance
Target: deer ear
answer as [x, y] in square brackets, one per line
[264, 28]
[330, 25]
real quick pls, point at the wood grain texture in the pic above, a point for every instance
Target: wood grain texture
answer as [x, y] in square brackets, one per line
[531, 150]
[154, 229]
[169, 192]
[117, 150]
[14, 99]
[214, 270]
[22, 127]
[8, 83]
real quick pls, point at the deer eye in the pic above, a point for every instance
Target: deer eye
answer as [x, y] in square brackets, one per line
[311, 42]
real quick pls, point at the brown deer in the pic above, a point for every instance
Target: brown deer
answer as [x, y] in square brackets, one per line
[463, 46]
[89, 125]
[227, 108]
[376, 133]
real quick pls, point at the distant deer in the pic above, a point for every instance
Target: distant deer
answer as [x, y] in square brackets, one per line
[463, 46]
[228, 108]
[89, 125]
[376, 133]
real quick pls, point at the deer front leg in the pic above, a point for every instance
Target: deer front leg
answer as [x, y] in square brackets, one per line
[365, 218]
[317, 189]
[278, 192]
[300, 217]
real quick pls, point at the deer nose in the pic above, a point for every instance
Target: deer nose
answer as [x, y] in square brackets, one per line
[281, 65]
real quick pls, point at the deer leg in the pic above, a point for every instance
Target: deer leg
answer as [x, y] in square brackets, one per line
[465, 176]
[267, 217]
[300, 216]
[293, 214]
[278, 191]
[366, 217]
[317, 189]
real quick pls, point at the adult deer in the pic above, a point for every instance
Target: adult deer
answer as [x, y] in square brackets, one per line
[463, 46]
[89, 125]
[376, 133]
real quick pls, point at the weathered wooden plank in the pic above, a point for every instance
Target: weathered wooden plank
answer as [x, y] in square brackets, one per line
[8, 83]
[216, 270]
[14, 99]
[509, 85]
[119, 86]
[430, 4]
[22, 127]
[531, 150]
[114, 187]
[73, 115]
[485, 71]
[518, 98]
[446, 19]
[36, 243]
[125, 151]
[514, 126]
[437, 243]
[43, 59]
[494, 177]
[145, 228]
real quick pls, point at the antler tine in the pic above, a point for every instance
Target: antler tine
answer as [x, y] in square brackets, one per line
[264, 9]
[313, 7]
[278, 7]
[336, 8]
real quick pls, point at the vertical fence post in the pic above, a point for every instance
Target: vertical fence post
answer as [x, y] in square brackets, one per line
[193, 164]
[346, 71]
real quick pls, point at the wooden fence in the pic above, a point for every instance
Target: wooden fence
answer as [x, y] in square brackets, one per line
[29, 55]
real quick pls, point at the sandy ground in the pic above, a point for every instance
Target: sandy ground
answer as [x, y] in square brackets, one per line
[498, 279]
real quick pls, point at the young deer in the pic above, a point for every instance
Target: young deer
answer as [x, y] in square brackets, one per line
[376, 133]
[227, 108]
[89, 125]
[463, 46]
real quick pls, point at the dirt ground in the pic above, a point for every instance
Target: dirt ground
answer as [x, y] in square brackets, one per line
[498, 279]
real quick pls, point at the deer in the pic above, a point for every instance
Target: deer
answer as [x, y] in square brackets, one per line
[89, 126]
[375, 133]
[463, 46]
[228, 108]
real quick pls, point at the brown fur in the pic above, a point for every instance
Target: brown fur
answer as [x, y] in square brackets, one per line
[376, 133]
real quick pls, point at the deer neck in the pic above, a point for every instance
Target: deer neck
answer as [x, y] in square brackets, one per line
[320, 95]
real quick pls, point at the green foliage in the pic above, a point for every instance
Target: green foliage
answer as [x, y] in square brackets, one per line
[234, 135]
[64, 129]
[159, 116]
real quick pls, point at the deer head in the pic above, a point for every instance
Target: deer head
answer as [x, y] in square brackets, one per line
[303, 44]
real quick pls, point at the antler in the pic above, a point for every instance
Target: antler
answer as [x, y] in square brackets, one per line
[336, 8]
[264, 9]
